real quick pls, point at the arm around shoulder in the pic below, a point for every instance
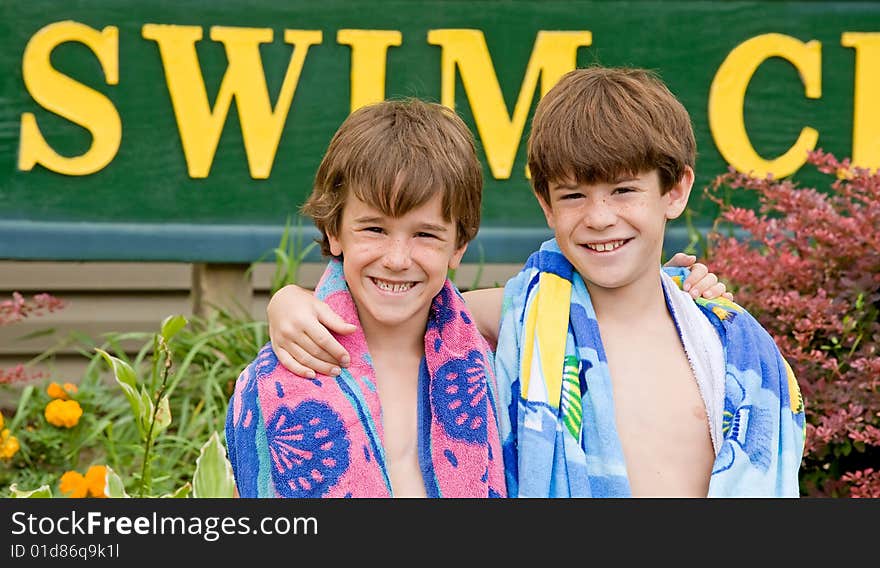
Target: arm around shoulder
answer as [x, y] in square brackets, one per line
[485, 306]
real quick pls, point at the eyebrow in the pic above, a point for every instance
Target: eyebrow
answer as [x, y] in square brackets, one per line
[367, 219]
[432, 227]
[575, 185]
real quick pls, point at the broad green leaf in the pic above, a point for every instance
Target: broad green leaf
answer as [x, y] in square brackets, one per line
[146, 405]
[42, 492]
[114, 487]
[213, 476]
[180, 493]
[171, 325]
[163, 416]
[123, 371]
[126, 378]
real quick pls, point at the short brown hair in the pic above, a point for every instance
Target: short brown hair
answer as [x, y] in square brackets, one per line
[395, 156]
[598, 124]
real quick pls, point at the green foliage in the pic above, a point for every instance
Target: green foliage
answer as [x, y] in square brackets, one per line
[41, 492]
[157, 428]
[289, 256]
[156, 422]
[213, 476]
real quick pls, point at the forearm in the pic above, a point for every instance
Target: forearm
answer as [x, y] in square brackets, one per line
[485, 307]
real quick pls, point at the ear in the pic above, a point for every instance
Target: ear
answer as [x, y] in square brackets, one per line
[677, 197]
[455, 260]
[548, 211]
[335, 245]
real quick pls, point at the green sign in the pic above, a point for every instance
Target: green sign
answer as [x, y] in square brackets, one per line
[191, 130]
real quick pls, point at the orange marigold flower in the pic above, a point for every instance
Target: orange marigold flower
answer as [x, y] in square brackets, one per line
[8, 444]
[96, 480]
[70, 388]
[64, 413]
[1, 420]
[54, 390]
[73, 484]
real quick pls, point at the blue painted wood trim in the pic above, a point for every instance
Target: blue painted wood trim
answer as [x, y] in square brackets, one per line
[29, 240]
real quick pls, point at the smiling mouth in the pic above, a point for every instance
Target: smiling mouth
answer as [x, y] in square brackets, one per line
[606, 246]
[393, 287]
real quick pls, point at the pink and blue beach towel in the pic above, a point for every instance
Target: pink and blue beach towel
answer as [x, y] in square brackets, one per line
[556, 409]
[290, 436]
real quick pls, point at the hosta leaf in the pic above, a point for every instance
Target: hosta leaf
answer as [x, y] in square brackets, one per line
[163, 416]
[126, 378]
[41, 492]
[113, 486]
[172, 325]
[213, 476]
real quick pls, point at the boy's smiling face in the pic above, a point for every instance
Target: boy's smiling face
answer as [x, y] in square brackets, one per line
[613, 232]
[395, 266]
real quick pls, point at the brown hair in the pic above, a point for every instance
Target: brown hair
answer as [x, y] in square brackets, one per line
[395, 156]
[598, 124]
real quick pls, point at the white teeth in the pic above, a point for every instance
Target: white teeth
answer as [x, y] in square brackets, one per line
[391, 287]
[602, 247]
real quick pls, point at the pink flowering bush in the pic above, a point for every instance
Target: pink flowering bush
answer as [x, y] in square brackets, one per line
[15, 310]
[806, 264]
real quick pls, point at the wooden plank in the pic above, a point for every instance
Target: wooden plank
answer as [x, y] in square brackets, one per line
[221, 286]
[60, 277]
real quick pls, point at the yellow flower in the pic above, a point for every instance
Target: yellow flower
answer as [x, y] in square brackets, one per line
[73, 485]
[54, 390]
[8, 444]
[64, 413]
[95, 479]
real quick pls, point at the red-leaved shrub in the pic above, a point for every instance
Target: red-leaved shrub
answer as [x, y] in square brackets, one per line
[806, 264]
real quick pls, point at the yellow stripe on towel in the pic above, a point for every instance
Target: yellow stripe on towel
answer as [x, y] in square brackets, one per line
[548, 317]
[525, 370]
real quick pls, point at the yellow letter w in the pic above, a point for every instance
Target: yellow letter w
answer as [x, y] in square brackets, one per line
[553, 55]
[199, 125]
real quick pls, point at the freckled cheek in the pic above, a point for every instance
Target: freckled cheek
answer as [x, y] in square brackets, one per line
[433, 260]
[365, 246]
[569, 219]
[359, 254]
[637, 207]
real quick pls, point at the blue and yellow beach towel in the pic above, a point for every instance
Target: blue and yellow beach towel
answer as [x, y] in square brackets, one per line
[556, 410]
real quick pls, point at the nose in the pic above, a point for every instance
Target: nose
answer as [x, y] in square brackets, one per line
[598, 214]
[397, 256]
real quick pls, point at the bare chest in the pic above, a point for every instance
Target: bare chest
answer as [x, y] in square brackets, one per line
[661, 417]
[398, 395]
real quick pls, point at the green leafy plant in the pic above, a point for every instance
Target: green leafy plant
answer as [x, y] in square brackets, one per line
[212, 478]
[151, 410]
[156, 426]
[150, 417]
[289, 256]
